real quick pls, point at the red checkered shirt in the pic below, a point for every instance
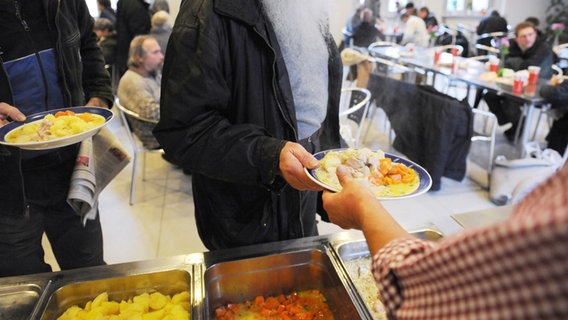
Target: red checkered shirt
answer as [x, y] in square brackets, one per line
[514, 270]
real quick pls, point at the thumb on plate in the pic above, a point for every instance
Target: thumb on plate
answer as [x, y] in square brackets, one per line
[343, 174]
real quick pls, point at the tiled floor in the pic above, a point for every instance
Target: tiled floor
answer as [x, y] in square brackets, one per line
[161, 222]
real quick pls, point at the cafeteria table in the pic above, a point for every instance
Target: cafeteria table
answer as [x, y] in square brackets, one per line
[469, 72]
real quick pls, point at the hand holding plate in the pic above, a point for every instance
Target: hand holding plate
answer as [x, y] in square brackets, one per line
[293, 159]
[343, 207]
[8, 111]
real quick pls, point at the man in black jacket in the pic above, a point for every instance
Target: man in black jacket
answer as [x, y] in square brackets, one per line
[557, 95]
[132, 19]
[492, 23]
[50, 60]
[250, 89]
[525, 50]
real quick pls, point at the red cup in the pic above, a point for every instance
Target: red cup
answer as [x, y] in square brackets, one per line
[518, 85]
[530, 90]
[534, 72]
[437, 55]
[454, 51]
[494, 66]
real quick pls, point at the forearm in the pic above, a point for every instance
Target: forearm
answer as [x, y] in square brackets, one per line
[379, 227]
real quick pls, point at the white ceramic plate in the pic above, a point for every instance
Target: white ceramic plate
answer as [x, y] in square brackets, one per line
[55, 143]
[423, 187]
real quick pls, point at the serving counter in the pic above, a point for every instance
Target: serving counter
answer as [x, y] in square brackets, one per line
[213, 279]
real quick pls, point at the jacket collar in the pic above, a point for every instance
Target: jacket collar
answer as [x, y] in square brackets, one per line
[247, 11]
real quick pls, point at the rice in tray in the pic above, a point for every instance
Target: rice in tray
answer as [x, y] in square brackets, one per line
[360, 271]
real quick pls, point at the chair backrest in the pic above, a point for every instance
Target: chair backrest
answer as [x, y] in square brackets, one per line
[381, 44]
[124, 114]
[487, 48]
[133, 114]
[357, 102]
[450, 47]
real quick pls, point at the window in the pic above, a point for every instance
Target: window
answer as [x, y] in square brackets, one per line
[396, 5]
[464, 6]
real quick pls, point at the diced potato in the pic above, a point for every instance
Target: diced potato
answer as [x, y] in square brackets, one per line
[145, 306]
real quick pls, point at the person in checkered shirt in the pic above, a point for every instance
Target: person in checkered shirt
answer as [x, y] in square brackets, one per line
[517, 269]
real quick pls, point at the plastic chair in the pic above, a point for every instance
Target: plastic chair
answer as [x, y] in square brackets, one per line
[487, 48]
[137, 146]
[381, 44]
[356, 102]
[449, 47]
[485, 134]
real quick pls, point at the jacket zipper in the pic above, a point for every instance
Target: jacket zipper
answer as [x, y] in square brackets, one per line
[59, 46]
[276, 94]
[26, 206]
[274, 87]
[36, 53]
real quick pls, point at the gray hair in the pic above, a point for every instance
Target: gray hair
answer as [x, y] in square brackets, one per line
[136, 53]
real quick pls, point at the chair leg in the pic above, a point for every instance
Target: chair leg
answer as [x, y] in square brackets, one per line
[144, 167]
[133, 182]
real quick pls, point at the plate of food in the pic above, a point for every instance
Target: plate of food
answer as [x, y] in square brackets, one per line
[387, 175]
[55, 128]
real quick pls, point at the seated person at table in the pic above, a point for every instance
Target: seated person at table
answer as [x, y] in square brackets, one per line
[557, 95]
[139, 87]
[504, 271]
[414, 30]
[428, 17]
[494, 22]
[106, 38]
[367, 33]
[525, 50]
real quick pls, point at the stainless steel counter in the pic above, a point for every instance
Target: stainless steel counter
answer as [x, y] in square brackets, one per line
[483, 218]
[213, 278]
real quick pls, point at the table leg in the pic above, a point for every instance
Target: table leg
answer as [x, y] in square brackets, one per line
[528, 112]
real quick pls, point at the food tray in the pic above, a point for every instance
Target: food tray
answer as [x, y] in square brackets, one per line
[353, 252]
[242, 280]
[18, 301]
[167, 282]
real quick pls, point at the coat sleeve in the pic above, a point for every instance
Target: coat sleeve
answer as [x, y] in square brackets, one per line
[196, 98]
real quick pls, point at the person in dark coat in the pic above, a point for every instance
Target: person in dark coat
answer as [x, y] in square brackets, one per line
[106, 11]
[428, 17]
[525, 50]
[132, 19]
[35, 183]
[106, 39]
[246, 119]
[492, 23]
[557, 95]
[367, 33]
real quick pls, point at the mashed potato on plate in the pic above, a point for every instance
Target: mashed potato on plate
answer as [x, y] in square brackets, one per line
[51, 127]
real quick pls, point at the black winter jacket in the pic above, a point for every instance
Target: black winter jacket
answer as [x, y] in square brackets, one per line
[540, 54]
[132, 19]
[81, 66]
[226, 112]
